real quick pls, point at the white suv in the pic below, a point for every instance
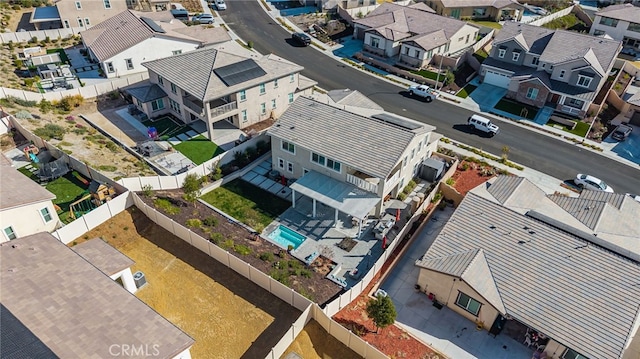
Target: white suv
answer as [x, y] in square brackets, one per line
[591, 183]
[483, 124]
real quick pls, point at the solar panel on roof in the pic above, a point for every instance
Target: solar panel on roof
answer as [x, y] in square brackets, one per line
[239, 72]
[152, 24]
[385, 117]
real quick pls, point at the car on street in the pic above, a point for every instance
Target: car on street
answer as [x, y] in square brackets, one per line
[621, 132]
[483, 124]
[301, 38]
[203, 19]
[589, 182]
[218, 5]
[424, 91]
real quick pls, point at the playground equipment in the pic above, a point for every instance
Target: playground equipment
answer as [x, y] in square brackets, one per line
[82, 206]
[92, 198]
[48, 171]
[101, 192]
[31, 152]
[152, 132]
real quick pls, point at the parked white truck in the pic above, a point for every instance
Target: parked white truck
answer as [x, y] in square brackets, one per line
[424, 91]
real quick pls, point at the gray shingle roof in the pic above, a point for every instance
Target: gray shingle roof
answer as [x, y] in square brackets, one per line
[73, 308]
[19, 190]
[104, 257]
[625, 12]
[354, 98]
[124, 30]
[498, 4]
[614, 199]
[504, 186]
[548, 278]
[370, 145]
[147, 93]
[194, 71]
[585, 210]
[535, 37]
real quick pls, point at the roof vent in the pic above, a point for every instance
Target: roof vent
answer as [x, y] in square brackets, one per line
[492, 226]
[532, 232]
[292, 127]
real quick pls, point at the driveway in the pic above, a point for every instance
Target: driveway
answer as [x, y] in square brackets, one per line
[486, 96]
[443, 329]
[628, 149]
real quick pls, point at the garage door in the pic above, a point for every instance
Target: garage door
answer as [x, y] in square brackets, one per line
[497, 79]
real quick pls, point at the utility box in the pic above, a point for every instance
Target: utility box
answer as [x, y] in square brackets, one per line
[432, 169]
[139, 279]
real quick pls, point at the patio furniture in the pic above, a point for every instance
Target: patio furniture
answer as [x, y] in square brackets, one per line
[382, 228]
[527, 341]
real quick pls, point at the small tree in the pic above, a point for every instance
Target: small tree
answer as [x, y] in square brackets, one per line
[382, 311]
[191, 188]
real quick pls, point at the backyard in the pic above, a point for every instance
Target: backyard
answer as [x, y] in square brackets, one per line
[314, 342]
[166, 127]
[516, 108]
[226, 314]
[198, 149]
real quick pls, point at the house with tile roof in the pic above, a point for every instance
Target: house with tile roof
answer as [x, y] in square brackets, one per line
[123, 42]
[82, 14]
[344, 160]
[412, 34]
[491, 10]
[620, 22]
[559, 69]
[25, 206]
[212, 85]
[57, 303]
[559, 290]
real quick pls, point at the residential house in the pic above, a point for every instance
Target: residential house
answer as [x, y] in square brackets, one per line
[25, 206]
[540, 67]
[79, 13]
[58, 304]
[492, 10]
[349, 162]
[214, 85]
[412, 34]
[511, 272]
[620, 22]
[123, 42]
[630, 109]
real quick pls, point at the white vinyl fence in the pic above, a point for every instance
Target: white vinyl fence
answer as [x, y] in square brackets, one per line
[545, 19]
[53, 34]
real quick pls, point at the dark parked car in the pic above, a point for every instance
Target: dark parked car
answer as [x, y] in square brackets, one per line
[621, 132]
[301, 38]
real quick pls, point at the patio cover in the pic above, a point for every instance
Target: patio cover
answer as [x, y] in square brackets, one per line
[45, 14]
[342, 196]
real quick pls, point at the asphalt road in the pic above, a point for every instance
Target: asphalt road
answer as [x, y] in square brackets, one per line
[543, 153]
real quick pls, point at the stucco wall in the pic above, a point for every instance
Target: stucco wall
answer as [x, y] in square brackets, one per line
[27, 220]
[92, 9]
[617, 33]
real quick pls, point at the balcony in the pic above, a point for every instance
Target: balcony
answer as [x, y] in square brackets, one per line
[571, 110]
[362, 183]
[193, 104]
[222, 109]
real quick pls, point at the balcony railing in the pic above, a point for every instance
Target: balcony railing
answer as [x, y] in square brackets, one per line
[193, 106]
[392, 181]
[571, 110]
[361, 183]
[220, 110]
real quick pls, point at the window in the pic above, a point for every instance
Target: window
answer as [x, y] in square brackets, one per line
[263, 89]
[157, 105]
[413, 153]
[317, 158]
[174, 88]
[405, 50]
[419, 145]
[532, 93]
[107, 4]
[292, 77]
[635, 27]
[174, 106]
[244, 116]
[360, 2]
[289, 147]
[535, 61]
[290, 97]
[584, 81]
[275, 83]
[129, 63]
[571, 354]
[417, 54]
[465, 41]
[516, 56]
[375, 42]
[139, 103]
[404, 161]
[608, 21]
[9, 233]
[242, 95]
[263, 108]
[289, 167]
[460, 39]
[274, 103]
[109, 66]
[46, 215]
[78, 5]
[598, 33]
[86, 21]
[467, 303]
[334, 165]
[176, 52]
[479, 12]
[66, 24]
[573, 102]
[160, 80]
[429, 54]
[501, 53]
[280, 163]
[561, 75]
[80, 23]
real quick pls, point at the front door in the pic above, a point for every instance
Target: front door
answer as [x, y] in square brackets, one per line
[455, 13]
[555, 98]
[498, 325]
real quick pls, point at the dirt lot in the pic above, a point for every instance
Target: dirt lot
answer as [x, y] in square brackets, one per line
[227, 315]
[313, 342]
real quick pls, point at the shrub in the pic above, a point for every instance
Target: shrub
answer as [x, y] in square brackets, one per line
[437, 197]
[228, 244]
[242, 249]
[68, 103]
[402, 196]
[450, 181]
[266, 256]
[252, 153]
[50, 131]
[166, 205]
[108, 168]
[194, 222]
[263, 147]
[210, 221]
[216, 238]
[112, 147]
[147, 190]
[45, 106]
[18, 63]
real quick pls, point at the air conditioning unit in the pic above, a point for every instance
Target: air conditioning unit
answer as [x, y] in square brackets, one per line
[139, 279]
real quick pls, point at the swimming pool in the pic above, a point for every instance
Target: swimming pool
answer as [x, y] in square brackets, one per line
[284, 237]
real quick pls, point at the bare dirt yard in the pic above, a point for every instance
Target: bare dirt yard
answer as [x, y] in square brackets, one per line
[313, 342]
[227, 315]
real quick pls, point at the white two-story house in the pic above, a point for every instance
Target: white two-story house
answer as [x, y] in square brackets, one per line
[213, 85]
[541, 67]
[349, 162]
[620, 22]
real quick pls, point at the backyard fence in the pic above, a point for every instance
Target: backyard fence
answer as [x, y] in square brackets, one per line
[545, 19]
[484, 41]
[24, 36]
[90, 91]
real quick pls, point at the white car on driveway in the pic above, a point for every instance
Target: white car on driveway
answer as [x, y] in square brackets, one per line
[424, 91]
[591, 183]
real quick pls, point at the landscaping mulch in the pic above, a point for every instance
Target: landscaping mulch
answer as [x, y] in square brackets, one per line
[233, 237]
[471, 177]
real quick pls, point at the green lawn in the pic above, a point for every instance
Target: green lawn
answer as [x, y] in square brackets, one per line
[466, 91]
[481, 55]
[247, 203]
[491, 24]
[166, 126]
[67, 189]
[429, 74]
[516, 108]
[580, 129]
[198, 149]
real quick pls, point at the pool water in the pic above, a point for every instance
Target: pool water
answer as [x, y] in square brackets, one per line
[283, 236]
